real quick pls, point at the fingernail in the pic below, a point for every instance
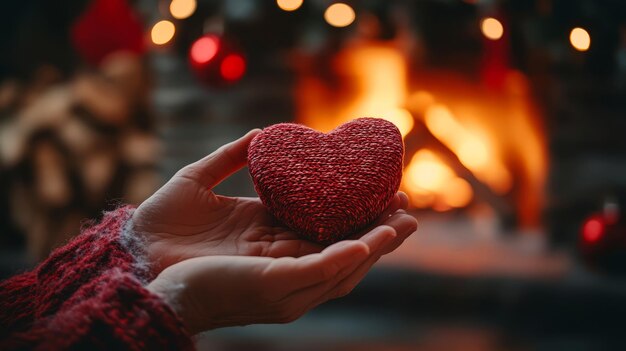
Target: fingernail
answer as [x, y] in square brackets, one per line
[253, 131]
[404, 200]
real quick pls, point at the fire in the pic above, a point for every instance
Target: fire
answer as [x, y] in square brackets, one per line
[472, 150]
[430, 182]
[426, 171]
[494, 136]
[377, 77]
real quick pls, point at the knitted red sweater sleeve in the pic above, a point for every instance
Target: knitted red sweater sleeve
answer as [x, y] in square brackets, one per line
[89, 294]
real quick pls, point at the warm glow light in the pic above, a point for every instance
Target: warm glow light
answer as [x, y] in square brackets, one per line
[162, 32]
[420, 101]
[181, 9]
[473, 153]
[204, 49]
[378, 82]
[233, 67]
[593, 230]
[580, 39]
[457, 193]
[339, 15]
[441, 123]
[491, 28]
[430, 182]
[401, 118]
[427, 171]
[421, 198]
[289, 5]
[441, 207]
[497, 176]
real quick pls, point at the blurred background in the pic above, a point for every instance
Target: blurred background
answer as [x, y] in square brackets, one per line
[512, 112]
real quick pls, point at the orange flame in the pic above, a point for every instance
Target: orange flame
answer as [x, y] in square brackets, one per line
[495, 135]
[377, 88]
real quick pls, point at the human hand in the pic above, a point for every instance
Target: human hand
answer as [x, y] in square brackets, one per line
[186, 219]
[218, 291]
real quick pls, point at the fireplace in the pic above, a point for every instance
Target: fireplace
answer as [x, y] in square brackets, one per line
[469, 143]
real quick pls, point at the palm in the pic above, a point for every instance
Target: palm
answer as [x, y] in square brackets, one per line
[185, 219]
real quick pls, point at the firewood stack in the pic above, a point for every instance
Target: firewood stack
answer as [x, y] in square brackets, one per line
[71, 149]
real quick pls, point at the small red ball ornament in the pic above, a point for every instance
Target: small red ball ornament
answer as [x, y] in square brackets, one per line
[603, 241]
[216, 61]
[107, 26]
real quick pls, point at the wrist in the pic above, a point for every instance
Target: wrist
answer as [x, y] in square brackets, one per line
[172, 294]
[147, 239]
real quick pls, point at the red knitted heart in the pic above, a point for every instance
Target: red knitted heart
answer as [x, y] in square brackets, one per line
[327, 186]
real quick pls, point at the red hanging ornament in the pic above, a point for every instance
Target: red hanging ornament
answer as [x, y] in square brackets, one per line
[107, 26]
[216, 61]
[603, 240]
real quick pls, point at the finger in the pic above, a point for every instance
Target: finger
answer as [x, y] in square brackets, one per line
[401, 225]
[377, 237]
[379, 241]
[400, 201]
[394, 205]
[302, 300]
[294, 247]
[374, 241]
[310, 297]
[294, 274]
[404, 200]
[405, 226]
[226, 160]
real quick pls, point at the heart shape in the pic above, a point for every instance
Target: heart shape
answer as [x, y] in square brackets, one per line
[327, 186]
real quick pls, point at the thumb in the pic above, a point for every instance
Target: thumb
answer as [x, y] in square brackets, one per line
[226, 160]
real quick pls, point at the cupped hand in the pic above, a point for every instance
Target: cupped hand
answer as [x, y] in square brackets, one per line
[186, 219]
[217, 291]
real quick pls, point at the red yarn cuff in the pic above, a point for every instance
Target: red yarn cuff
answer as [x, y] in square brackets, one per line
[89, 293]
[122, 315]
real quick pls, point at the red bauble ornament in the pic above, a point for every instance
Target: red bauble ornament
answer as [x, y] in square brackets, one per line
[327, 186]
[603, 241]
[216, 61]
[107, 26]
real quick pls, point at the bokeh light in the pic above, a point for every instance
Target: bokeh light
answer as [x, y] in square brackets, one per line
[428, 171]
[492, 28]
[181, 9]
[339, 15]
[162, 32]
[441, 123]
[420, 101]
[457, 193]
[289, 5]
[593, 229]
[473, 153]
[233, 67]
[204, 49]
[580, 39]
